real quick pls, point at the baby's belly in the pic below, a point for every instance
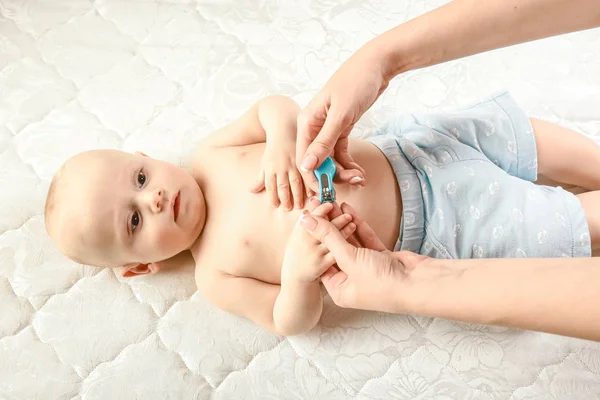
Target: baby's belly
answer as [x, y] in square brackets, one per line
[261, 231]
[379, 202]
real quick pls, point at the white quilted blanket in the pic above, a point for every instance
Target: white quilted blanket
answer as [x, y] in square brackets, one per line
[156, 76]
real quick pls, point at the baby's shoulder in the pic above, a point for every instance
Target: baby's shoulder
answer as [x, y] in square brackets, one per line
[211, 272]
[222, 259]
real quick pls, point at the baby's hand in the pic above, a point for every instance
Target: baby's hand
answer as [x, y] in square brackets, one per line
[305, 258]
[279, 175]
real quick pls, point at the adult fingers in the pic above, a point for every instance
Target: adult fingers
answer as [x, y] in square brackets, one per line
[324, 143]
[334, 279]
[325, 232]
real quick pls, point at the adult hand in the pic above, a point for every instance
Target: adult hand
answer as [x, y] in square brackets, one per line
[365, 274]
[326, 122]
[335, 212]
[305, 258]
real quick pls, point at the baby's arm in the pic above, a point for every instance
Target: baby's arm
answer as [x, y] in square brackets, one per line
[294, 307]
[246, 297]
[291, 309]
[566, 156]
[270, 119]
[298, 307]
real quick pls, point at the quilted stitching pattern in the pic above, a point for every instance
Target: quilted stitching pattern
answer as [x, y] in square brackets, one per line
[157, 76]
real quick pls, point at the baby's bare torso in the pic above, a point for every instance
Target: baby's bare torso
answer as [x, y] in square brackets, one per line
[246, 236]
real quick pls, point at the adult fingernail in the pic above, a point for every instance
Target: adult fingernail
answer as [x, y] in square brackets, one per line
[356, 179]
[308, 222]
[309, 163]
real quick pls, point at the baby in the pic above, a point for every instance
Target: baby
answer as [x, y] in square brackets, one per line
[457, 185]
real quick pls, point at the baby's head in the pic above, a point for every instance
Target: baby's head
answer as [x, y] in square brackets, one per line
[108, 208]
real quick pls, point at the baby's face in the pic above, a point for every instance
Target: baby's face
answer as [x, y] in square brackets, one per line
[131, 209]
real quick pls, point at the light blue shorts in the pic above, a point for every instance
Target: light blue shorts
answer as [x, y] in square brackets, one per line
[466, 180]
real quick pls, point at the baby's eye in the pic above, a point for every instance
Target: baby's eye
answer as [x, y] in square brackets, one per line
[135, 221]
[141, 178]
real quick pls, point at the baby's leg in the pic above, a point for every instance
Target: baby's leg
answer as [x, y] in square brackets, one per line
[591, 205]
[566, 156]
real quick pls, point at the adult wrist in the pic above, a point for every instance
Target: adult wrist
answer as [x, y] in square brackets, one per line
[391, 55]
[425, 289]
[403, 48]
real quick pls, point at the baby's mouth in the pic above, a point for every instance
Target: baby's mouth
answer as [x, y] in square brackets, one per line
[176, 207]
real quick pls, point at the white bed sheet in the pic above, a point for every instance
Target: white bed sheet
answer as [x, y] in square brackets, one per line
[157, 76]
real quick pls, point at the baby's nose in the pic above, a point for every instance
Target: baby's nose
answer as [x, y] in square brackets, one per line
[157, 200]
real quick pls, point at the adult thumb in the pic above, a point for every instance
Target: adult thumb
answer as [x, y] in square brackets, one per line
[326, 233]
[324, 143]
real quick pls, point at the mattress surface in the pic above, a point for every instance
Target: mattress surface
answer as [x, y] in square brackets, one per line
[157, 76]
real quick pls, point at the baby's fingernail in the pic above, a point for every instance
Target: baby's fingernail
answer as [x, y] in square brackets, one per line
[356, 179]
[308, 163]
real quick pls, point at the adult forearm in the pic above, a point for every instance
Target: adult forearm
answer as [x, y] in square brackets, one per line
[560, 296]
[298, 307]
[465, 27]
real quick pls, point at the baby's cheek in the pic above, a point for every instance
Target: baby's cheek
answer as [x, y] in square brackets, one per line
[159, 242]
[166, 238]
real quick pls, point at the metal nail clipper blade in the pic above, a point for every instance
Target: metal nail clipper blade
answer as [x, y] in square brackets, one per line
[325, 174]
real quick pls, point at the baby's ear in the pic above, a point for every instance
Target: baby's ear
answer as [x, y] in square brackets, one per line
[141, 153]
[133, 269]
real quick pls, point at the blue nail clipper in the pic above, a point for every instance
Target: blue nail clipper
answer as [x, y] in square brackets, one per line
[325, 174]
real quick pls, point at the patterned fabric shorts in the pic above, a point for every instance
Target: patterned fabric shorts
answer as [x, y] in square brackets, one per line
[466, 180]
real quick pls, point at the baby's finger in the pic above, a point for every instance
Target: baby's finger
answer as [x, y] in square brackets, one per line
[283, 190]
[297, 185]
[312, 203]
[341, 221]
[322, 210]
[259, 185]
[271, 185]
[336, 211]
[348, 230]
